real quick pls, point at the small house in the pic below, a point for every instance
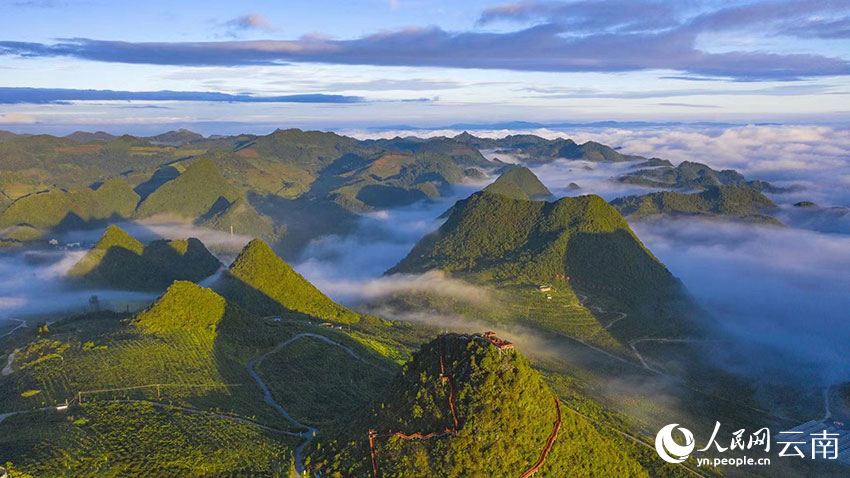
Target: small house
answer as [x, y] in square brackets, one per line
[544, 288]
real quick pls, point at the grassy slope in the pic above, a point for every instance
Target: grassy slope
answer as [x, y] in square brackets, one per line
[191, 195]
[197, 346]
[137, 439]
[243, 218]
[263, 282]
[347, 385]
[519, 183]
[113, 199]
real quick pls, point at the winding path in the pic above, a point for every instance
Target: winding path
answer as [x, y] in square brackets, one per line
[311, 431]
[21, 324]
[7, 370]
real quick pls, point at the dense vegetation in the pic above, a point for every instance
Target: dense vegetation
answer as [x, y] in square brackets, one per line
[347, 386]
[690, 175]
[139, 439]
[735, 201]
[70, 209]
[120, 261]
[519, 183]
[538, 149]
[264, 283]
[505, 412]
[530, 242]
[189, 349]
[200, 190]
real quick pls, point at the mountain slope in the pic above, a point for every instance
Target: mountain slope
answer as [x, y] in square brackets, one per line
[241, 218]
[265, 284]
[531, 242]
[539, 149]
[716, 200]
[476, 410]
[519, 183]
[113, 199]
[199, 190]
[120, 261]
[690, 175]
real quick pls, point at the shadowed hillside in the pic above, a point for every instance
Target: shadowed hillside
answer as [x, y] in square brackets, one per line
[263, 283]
[119, 261]
[63, 209]
[197, 191]
[732, 201]
[690, 175]
[532, 242]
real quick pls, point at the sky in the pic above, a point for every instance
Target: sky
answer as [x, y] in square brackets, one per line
[227, 67]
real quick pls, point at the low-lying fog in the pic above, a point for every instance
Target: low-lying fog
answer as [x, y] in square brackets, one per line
[784, 292]
[32, 283]
[780, 289]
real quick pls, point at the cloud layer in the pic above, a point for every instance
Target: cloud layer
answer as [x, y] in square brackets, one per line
[581, 36]
[19, 95]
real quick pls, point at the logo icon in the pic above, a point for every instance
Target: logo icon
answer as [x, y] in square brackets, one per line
[668, 449]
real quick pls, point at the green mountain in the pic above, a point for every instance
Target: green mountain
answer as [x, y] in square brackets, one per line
[85, 137]
[539, 149]
[471, 409]
[265, 284]
[199, 190]
[120, 261]
[188, 306]
[240, 217]
[459, 152]
[175, 138]
[519, 183]
[61, 209]
[530, 242]
[689, 175]
[736, 201]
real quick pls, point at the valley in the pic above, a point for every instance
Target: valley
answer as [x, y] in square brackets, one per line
[321, 316]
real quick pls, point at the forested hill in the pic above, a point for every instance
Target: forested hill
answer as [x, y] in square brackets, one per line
[263, 283]
[463, 406]
[519, 183]
[740, 202]
[533, 242]
[119, 261]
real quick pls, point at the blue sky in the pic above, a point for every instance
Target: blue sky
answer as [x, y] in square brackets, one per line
[251, 66]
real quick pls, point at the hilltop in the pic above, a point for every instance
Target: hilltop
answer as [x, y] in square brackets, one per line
[690, 175]
[67, 209]
[730, 201]
[531, 242]
[265, 284]
[199, 190]
[538, 149]
[519, 183]
[120, 261]
[188, 306]
[464, 407]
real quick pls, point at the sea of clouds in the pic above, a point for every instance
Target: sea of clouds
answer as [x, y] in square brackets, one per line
[784, 290]
[784, 293]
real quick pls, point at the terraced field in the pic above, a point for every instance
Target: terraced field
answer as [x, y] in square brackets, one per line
[347, 384]
[136, 439]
